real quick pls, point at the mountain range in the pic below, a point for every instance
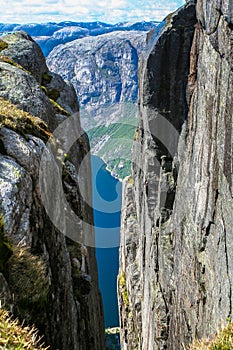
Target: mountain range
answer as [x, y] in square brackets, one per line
[101, 61]
[51, 34]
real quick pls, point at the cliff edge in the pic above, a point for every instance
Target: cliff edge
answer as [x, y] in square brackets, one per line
[46, 278]
[176, 275]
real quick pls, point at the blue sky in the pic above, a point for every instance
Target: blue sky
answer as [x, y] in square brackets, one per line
[110, 11]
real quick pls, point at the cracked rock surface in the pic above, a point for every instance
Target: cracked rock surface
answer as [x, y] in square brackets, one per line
[176, 273]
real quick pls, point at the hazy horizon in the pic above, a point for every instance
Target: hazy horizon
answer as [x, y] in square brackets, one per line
[108, 11]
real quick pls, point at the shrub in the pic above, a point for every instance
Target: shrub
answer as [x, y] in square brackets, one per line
[51, 93]
[131, 181]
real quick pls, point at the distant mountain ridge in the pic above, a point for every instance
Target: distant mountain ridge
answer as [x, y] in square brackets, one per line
[103, 71]
[51, 34]
[101, 61]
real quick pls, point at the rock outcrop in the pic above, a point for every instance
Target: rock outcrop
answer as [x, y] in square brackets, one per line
[176, 274]
[46, 278]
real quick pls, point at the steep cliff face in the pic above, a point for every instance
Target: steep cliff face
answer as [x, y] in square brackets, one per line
[103, 70]
[176, 274]
[45, 277]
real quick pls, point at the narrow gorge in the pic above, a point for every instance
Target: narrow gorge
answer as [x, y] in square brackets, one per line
[175, 277]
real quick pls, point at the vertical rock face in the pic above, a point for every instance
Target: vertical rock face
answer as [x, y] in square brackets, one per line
[46, 278]
[176, 274]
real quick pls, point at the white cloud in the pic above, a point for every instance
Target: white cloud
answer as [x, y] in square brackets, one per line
[110, 11]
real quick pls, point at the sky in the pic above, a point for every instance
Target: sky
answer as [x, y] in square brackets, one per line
[109, 11]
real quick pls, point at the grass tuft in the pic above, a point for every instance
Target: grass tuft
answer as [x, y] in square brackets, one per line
[22, 122]
[3, 45]
[17, 337]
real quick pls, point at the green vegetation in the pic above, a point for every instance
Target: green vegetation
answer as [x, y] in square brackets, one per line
[58, 108]
[27, 277]
[51, 93]
[117, 139]
[5, 247]
[223, 340]
[44, 89]
[22, 122]
[3, 45]
[120, 130]
[46, 78]
[124, 292]
[8, 60]
[131, 180]
[14, 336]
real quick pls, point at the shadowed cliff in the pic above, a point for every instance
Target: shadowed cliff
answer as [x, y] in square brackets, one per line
[176, 274]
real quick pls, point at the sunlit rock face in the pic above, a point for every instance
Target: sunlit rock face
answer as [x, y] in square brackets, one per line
[47, 278]
[103, 70]
[175, 279]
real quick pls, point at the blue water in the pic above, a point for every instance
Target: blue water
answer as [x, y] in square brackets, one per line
[107, 212]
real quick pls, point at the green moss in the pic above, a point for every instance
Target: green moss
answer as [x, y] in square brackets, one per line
[5, 247]
[8, 60]
[59, 109]
[125, 298]
[131, 181]
[14, 336]
[46, 78]
[123, 288]
[22, 122]
[121, 280]
[3, 45]
[53, 94]
[44, 89]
